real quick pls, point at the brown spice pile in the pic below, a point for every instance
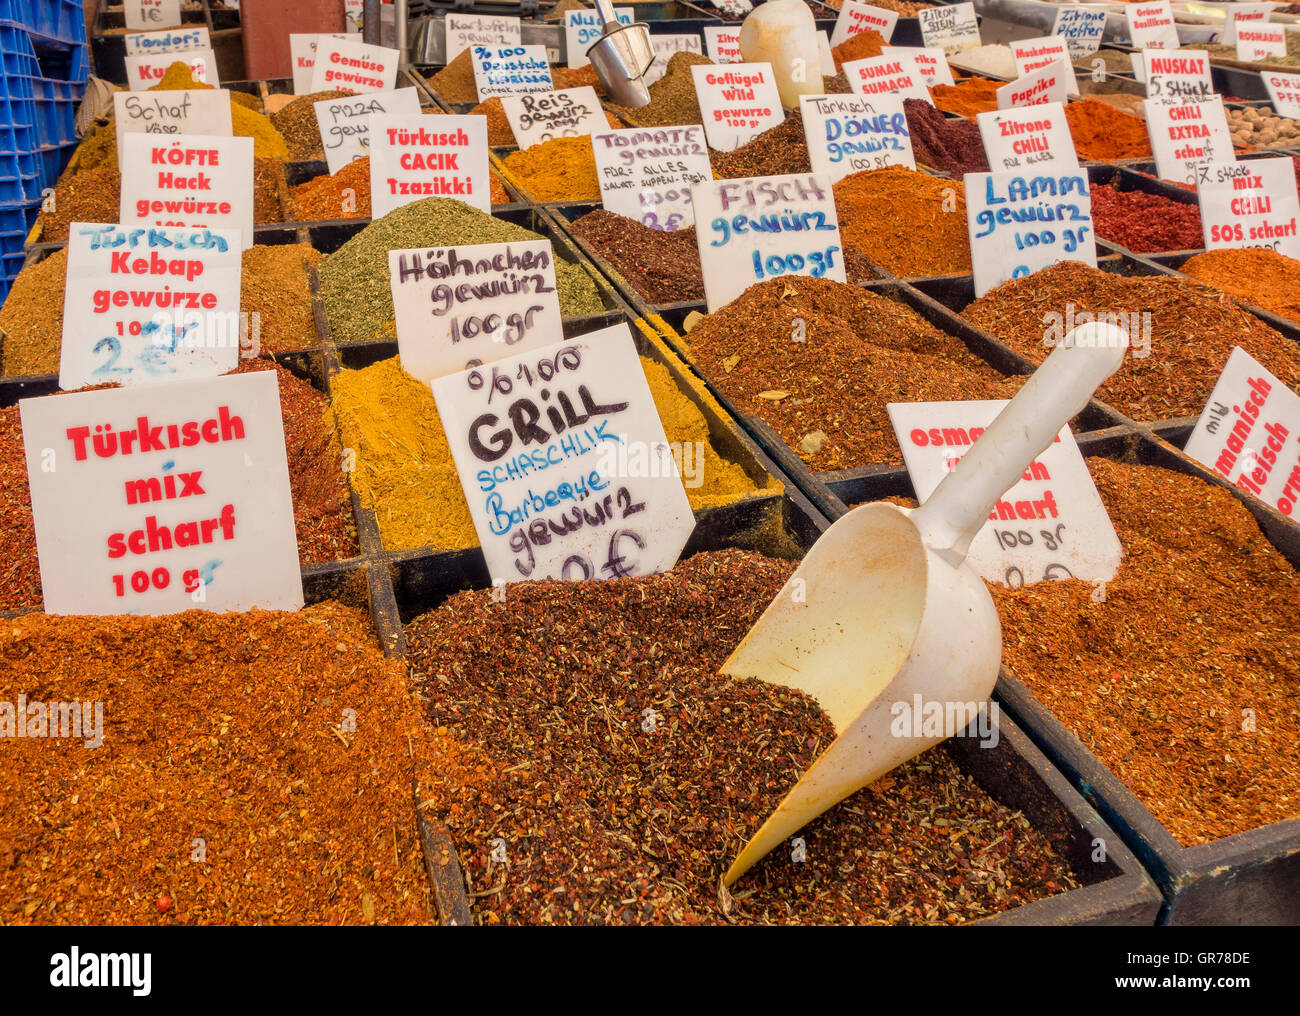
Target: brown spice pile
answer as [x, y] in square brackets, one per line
[297, 124]
[274, 285]
[31, 319]
[90, 196]
[908, 222]
[227, 789]
[672, 97]
[455, 82]
[576, 77]
[341, 195]
[972, 96]
[268, 174]
[604, 822]
[1201, 623]
[777, 151]
[861, 46]
[1192, 330]
[20, 577]
[1254, 275]
[859, 352]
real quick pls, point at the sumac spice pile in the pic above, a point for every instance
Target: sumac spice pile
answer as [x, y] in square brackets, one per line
[953, 146]
[606, 822]
[222, 734]
[1201, 622]
[908, 222]
[1253, 275]
[1189, 330]
[818, 361]
[1143, 222]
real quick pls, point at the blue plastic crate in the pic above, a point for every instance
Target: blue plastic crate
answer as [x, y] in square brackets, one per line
[19, 178]
[55, 19]
[17, 222]
[49, 164]
[55, 106]
[17, 132]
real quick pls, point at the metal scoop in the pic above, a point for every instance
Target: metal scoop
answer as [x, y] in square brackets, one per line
[621, 56]
[883, 608]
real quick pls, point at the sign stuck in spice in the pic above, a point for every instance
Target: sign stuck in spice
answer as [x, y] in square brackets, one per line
[930, 61]
[582, 30]
[887, 75]
[175, 40]
[184, 111]
[414, 157]
[349, 65]
[849, 133]
[344, 124]
[302, 53]
[147, 69]
[1028, 137]
[541, 116]
[738, 102]
[510, 70]
[464, 31]
[951, 28]
[1250, 204]
[647, 174]
[1187, 135]
[856, 17]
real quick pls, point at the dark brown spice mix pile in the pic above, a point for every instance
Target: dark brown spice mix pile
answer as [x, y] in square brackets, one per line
[778, 151]
[1201, 623]
[297, 124]
[605, 822]
[951, 145]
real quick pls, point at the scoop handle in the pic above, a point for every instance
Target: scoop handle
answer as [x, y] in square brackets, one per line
[1054, 393]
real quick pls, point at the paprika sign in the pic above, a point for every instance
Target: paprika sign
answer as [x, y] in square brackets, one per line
[480, 302]
[189, 485]
[349, 65]
[1028, 137]
[738, 102]
[564, 463]
[1186, 136]
[344, 124]
[646, 174]
[849, 133]
[1036, 89]
[149, 305]
[414, 157]
[1250, 204]
[762, 227]
[722, 43]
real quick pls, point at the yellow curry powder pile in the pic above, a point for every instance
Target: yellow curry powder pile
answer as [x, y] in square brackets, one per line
[562, 169]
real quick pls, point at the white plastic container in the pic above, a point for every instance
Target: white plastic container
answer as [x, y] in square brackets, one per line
[782, 33]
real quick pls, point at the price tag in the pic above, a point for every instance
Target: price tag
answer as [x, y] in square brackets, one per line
[162, 499]
[952, 29]
[1151, 25]
[344, 124]
[738, 102]
[887, 75]
[583, 29]
[1047, 85]
[1284, 90]
[564, 463]
[763, 227]
[1177, 77]
[1186, 136]
[1250, 204]
[722, 44]
[541, 116]
[187, 180]
[1258, 42]
[302, 52]
[647, 174]
[855, 17]
[349, 65]
[458, 306]
[1081, 29]
[664, 47]
[149, 305]
[849, 133]
[930, 61]
[1036, 54]
[1021, 222]
[466, 30]
[1051, 525]
[151, 13]
[1249, 433]
[1028, 137]
[1237, 13]
[510, 70]
[186, 111]
[414, 157]
[174, 40]
[146, 70]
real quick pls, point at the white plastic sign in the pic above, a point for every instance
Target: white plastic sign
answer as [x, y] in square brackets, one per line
[1237, 14]
[149, 305]
[564, 463]
[1259, 42]
[1028, 138]
[664, 47]
[354, 14]
[930, 61]
[350, 65]
[510, 70]
[163, 499]
[827, 57]
[759, 228]
[147, 69]
[541, 116]
[414, 157]
[1182, 76]
[1021, 222]
[583, 29]
[464, 31]
[1046, 85]
[887, 75]
[455, 306]
[344, 124]
[302, 53]
[952, 28]
[1151, 25]
[187, 180]
[1186, 136]
[186, 111]
[849, 133]
[1051, 525]
[174, 40]
[738, 102]
[1081, 29]
[722, 43]
[1284, 90]
[1252, 203]
[1036, 54]
[1249, 433]
[646, 174]
[856, 17]
[141, 14]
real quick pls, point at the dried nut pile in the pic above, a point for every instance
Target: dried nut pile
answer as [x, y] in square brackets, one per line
[1252, 127]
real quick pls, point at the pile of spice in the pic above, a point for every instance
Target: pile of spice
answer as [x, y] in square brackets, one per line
[404, 469]
[20, 573]
[951, 146]
[31, 319]
[341, 195]
[1252, 127]
[1153, 677]
[275, 286]
[904, 8]
[557, 12]
[1115, 61]
[861, 46]
[1145, 223]
[297, 124]
[969, 97]
[1103, 133]
[268, 177]
[778, 151]
[672, 97]
[355, 279]
[246, 122]
[90, 196]
[455, 82]
[562, 169]
[825, 393]
[994, 59]
[906, 221]
[1188, 330]
[224, 730]
[1254, 275]
[609, 819]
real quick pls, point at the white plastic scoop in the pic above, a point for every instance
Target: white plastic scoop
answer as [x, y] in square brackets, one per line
[884, 608]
